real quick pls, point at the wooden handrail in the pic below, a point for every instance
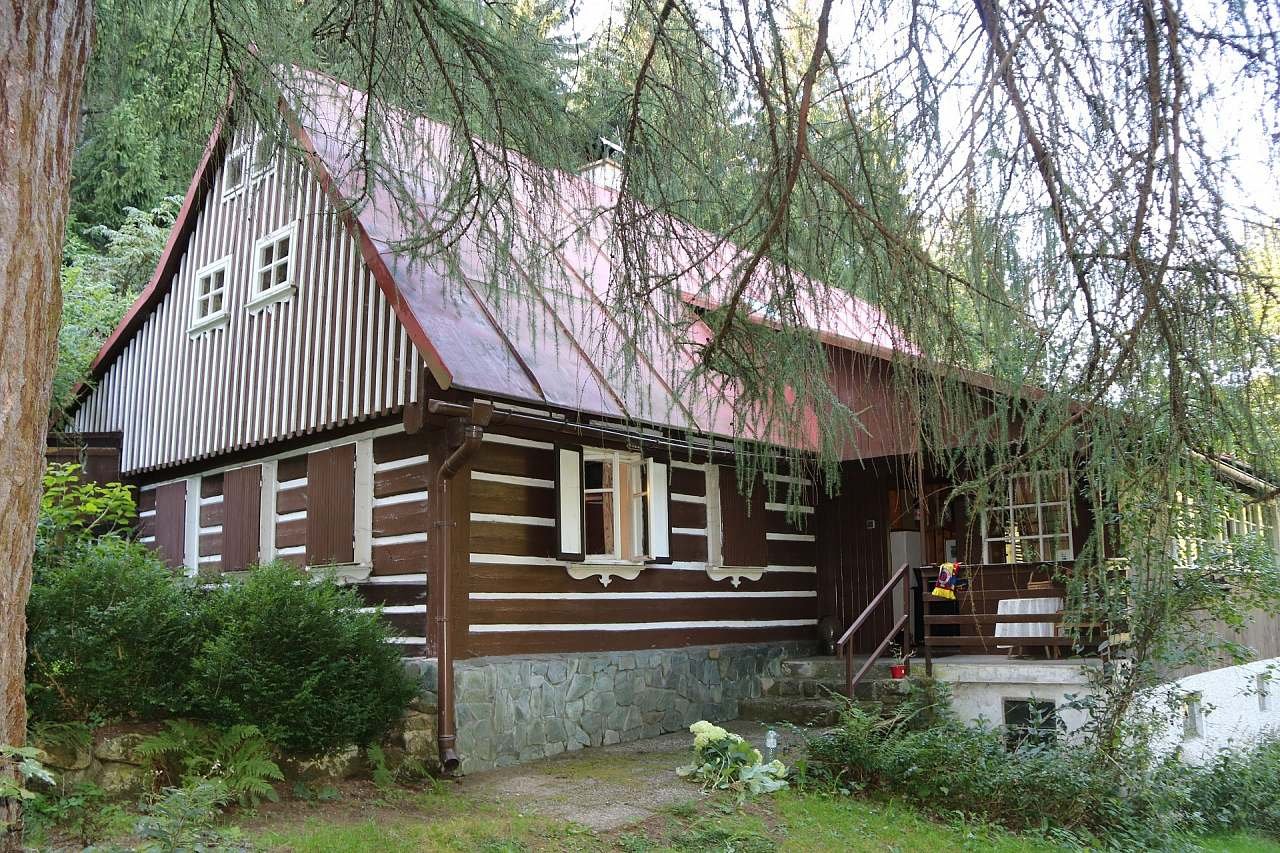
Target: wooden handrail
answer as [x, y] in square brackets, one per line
[875, 602]
[845, 646]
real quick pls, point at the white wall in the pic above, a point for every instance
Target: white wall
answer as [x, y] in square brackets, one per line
[980, 684]
[1232, 713]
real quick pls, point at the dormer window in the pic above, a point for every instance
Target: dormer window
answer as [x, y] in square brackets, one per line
[273, 266]
[235, 172]
[264, 156]
[209, 307]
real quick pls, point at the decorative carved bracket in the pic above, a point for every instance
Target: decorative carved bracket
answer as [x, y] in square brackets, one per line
[605, 571]
[735, 574]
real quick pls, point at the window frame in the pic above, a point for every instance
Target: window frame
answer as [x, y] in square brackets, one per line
[278, 291]
[201, 323]
[1010, 505]
[629, 488]
[262, 168]
[241, 152]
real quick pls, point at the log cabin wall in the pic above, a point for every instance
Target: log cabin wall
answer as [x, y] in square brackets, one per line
[521, 599]
[373, 512]
[330, 352]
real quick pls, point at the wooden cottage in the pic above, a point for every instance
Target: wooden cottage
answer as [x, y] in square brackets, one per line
[562, 537]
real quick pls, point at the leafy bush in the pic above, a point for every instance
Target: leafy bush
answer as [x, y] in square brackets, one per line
[69, 504]
[725, 761]
[185, 819]
[1240, 790]
[239, 759]
[110, 633]
[298, 660]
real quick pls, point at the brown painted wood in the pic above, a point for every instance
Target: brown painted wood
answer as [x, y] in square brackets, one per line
[688, 515]
[687, 548]
[331, 505]
[291, 468]
[291, 534]
[545, 642]
[525, 540]
[685, 481]
[414, 478]
[210, 544]
[241, 528]
[405, 558]
[508, 578]
[211, 515]
[517, 461]
[291, 500]
[793, 554]
[146, 499]
[387, 448]
[171, 522]
[742, 520]
[509, 499]
[852, 557]
[400, 519]
[384, 594]
[211, 485]
[544, 611]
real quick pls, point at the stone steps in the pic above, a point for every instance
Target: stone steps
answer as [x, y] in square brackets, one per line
[810, 692]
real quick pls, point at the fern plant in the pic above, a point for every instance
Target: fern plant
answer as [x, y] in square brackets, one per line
[238, 758]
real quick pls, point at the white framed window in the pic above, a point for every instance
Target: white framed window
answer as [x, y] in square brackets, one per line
[615, 509]
[1262, 685]
[273, 266]
[209, 300]
[1032, 521]
[235, 171]
[264, 157]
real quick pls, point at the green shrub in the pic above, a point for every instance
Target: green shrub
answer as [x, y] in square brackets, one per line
[239, 759]
[110, 633]
[1240, 790]
[298, 660]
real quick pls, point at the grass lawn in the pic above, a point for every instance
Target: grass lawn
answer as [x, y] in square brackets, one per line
[440, 819]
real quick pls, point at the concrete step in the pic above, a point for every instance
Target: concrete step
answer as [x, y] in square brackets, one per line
[790, 709]
[831, 669]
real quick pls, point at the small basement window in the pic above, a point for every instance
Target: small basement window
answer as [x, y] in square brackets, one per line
[209, 307]
[273, 266]
[1192, 717]
[235, 171]
[1030, 722]
[1263, 688]
[616, 515]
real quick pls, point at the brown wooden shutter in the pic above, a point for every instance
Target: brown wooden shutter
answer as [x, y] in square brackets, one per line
[331, 506]
[743, 526]
[241, 517]
[171, 522]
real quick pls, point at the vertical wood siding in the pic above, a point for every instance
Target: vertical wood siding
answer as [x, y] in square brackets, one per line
[331, 354]
[522, 600]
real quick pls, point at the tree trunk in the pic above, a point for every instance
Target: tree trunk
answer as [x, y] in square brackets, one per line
[44, 48]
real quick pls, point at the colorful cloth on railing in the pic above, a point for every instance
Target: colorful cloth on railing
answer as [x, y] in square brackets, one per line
[945, 586]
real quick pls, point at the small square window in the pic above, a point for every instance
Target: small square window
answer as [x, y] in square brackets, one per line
[273, 266]
[1262, 685]
[1030, 722]
[209, 303]
[235, 171]
[264, 156]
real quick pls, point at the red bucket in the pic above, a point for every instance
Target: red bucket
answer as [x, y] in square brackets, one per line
[898, 670]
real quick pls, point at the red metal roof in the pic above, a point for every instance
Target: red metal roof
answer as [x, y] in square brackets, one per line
[562, 340]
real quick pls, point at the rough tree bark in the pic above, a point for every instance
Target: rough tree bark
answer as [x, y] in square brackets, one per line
[44, 49]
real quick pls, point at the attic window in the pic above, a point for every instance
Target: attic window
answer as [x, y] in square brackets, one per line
[264, 156]
[273, 266]
[209, 307]
[235, 171]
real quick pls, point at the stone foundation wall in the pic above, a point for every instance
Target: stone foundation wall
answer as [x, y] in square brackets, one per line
[515, 709]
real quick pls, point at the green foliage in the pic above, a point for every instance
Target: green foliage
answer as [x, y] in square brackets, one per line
[110, 633]
[239, 759]
[299, 660]
[185, 819]
[70, 504]
[80, 810]
[724, 761]
[1239, 790]
[26, 761]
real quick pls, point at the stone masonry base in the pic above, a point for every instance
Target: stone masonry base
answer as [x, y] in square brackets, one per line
[516, 709]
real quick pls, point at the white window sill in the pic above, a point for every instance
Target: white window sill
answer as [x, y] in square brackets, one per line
[270, 297]
[208, 324]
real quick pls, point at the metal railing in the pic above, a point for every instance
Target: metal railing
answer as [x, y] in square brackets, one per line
[903, 625]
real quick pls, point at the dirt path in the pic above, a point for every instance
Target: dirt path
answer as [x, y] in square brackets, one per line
[606, 788]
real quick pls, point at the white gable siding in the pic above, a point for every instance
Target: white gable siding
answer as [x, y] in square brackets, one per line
[331, 354]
